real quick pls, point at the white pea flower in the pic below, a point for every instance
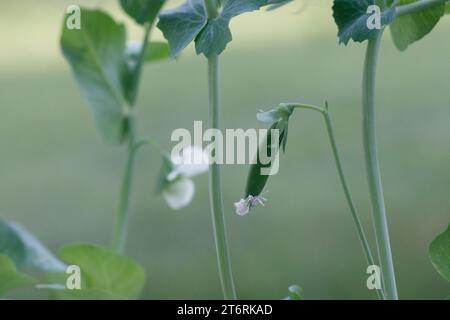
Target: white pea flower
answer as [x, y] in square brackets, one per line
[179, 194]
[243, 206]
[177, 187]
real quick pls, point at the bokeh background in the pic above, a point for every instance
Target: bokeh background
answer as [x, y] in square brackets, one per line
[61, 182]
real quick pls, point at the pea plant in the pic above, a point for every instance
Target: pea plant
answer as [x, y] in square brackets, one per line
[108, 72]
[207, 24]
[419, 18]
[409, 21]
[256, 181]
[108, 69]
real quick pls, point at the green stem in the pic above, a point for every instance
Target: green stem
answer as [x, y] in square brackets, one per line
[152, 142]
[211, 7]
[121, 224]
[215, 188]
[373, 169]
[138, 68]
[215, 183]
[356, 221]
[417, 6]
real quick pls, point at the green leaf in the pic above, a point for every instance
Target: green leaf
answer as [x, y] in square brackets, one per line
[410, 28]
[182, 25]
[214, 38]
[96, 53]
[11, 244]
[105, 274]
[25, 249]
[351, 18]
[142, 11]
[295, 293]
[447, 8]
[156, 51]
[10, 278]
[440, 253]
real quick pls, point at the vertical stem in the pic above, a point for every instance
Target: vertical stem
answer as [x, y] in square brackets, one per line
[215, 188]
[121, 224]
[138, 69]
[215, 183]
[373, 169]
[211, 8]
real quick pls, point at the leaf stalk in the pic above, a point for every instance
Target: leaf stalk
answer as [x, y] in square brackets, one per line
[334, 146]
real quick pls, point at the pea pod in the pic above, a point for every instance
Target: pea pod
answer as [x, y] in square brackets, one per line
[255, 180]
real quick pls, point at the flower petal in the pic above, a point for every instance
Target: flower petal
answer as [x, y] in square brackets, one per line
[194, 161]
[242, 207]
[179, 194]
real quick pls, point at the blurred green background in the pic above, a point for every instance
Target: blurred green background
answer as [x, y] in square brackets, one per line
[61, 182]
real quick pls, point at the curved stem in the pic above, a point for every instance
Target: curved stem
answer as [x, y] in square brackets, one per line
[373, 169]
[151, 142]
[356, 221]
[348, 196]
[215, 188]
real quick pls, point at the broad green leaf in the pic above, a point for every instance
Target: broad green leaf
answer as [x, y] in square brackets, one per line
[351, 18]
[142, 11]
[25, 249]
[11, 244]
[96, 53]
[182, 25]
[213, 39]
[410, 28]
[156, 51]
[447, 8]
[295, 293]
[440, 253]
[105, 274]
[10, 278]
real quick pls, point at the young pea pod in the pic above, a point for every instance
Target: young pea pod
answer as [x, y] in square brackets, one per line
[256, 181]
[258, 175]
